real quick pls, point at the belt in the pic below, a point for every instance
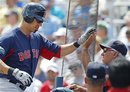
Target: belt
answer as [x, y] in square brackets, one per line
[19, 85]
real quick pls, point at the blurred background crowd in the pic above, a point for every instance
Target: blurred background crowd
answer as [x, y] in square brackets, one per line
[113, 24]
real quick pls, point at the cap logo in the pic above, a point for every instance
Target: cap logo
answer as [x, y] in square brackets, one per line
[94, 76]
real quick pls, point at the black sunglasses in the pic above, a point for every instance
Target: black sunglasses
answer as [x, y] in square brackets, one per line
[107, 49]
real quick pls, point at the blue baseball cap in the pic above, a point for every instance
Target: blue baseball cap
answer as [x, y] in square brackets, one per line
[96, 70]
[116, 45]
[62, 89]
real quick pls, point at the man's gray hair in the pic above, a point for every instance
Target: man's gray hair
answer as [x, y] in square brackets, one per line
[119, 57]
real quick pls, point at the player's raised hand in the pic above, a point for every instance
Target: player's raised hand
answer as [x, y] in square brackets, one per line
[85, 36]
[23, 77]
[90, 39]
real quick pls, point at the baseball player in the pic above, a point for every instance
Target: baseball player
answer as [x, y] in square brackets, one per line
[21, 48]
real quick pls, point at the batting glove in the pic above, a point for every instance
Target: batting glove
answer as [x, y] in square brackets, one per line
[22, 76]
[85, 36]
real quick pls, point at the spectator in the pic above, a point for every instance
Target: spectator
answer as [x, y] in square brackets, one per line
[12, 19]
[119, 76]
[60, 36]
[56, 9]
[125, 28]
[75, 30]
[10, 5]
[77, 74]
[116, 50]
[52, 72]
[103, 36]
[49, 27]
[81, 13]
[128, 43]
[102, 32]
[95, 78]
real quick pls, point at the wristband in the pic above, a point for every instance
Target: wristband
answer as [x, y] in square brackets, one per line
[76, 44]
[10, 71]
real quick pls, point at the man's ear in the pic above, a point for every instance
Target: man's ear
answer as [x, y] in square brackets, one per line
[85, 79]
[115, 54]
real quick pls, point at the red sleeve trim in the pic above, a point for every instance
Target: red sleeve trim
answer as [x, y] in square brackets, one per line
[58, 53]
[8, 55]
[48, 54]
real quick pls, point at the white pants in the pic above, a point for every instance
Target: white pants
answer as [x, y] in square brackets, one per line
[6, 86]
